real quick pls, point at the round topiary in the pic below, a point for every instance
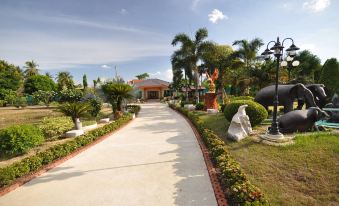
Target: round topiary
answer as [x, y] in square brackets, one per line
[256, 112]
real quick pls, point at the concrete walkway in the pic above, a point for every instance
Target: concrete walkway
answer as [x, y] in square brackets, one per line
[154, 160]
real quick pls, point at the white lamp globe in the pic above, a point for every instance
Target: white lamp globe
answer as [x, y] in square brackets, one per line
[288, 58]
[295, 63]
[283, 63]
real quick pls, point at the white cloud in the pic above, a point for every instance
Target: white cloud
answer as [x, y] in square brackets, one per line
[123, 11]
[316, 5]
[216, 16]
[155, 74]
[105, 66]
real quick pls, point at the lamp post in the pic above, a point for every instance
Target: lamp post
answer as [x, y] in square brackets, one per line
[273, 133]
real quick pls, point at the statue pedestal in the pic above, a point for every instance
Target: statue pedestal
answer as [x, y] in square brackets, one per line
[211, 101]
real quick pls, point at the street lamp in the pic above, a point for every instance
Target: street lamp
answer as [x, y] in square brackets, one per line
[289, 62]
[273, 133]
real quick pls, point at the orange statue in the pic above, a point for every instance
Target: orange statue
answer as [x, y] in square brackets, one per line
[211, 80]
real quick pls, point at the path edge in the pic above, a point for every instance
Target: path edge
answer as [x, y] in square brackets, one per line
[218, 191]
[23, 180]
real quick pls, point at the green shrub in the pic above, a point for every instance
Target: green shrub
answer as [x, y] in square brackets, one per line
[256, 112]
[222, 107]
[19, 139]
[133, 109]
[55, 126]
[200, 106]
[242, 98]
[20, 102]
[238, 189]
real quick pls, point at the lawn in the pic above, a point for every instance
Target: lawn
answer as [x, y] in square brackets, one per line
[305, 173]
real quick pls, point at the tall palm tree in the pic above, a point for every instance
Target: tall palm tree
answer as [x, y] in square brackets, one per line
[65, 80]
[247, 50]
[191, 51]
[31, 68]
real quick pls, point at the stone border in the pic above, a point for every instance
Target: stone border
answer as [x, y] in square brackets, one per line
[23, 180]
[218, 191]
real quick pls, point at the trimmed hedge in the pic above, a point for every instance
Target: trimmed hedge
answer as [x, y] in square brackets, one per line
[31, 164]
[256, 112]
[242, 98]
[18, 139]
[237, 187]
[55, 126]
[200, 106]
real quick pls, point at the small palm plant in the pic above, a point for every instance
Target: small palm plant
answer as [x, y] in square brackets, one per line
[75, 111]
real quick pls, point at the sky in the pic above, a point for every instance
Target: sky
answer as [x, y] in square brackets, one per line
[95, 37]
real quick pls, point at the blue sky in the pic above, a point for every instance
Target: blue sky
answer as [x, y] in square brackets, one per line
[92, 37]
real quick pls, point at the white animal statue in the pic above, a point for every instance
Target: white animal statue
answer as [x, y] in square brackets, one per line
[240, 125]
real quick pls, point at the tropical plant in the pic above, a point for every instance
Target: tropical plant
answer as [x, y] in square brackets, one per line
[191, 51]
[247, 50]
[75, 110]
[95, 102]
[65, 80]
[38, 82]
[309, 69]
[117, 93]
[31, 68]
[70, 95]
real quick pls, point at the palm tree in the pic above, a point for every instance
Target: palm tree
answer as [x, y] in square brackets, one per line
[191, 51]
[31, 68]
[65, 80]
[247, 51]
[75, 110]
[47, 74]
[116, 93]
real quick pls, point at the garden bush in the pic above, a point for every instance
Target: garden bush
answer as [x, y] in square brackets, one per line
[242, 98]
[20, 102]
[235, 184]
[30, 164]
[19, 139]
[133, 109]
[256, 112]
[55, 126]
[200, 106]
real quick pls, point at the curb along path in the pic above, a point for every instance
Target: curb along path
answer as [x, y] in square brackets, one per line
[153, 160]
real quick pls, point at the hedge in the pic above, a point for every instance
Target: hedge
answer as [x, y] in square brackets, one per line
[256, 112]
[31, 164]
[237, 187]
[55, 126]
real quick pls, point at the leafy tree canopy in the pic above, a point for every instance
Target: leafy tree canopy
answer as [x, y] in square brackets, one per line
[330, 75]
[142, 76]
[309, 66]
[39, 82]
[11, 76]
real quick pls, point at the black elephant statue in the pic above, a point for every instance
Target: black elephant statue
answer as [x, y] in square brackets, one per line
[286, 96]
[319, 94]
[301, 120]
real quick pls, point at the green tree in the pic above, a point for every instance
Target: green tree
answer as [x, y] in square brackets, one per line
[309, 69]
[247, 50]
[116, 93]
[75, 110]
[191, 52]
[142, 76]
[84, 81]
[38, 82]
[65, 80]
[330, 75]
[44, 96]
[31, 68]
[11, 76]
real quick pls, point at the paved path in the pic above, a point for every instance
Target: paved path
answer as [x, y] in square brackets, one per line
[154, 160]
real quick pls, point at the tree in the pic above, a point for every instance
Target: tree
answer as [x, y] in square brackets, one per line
[65, 80]
[75, 110]
[11, 76]
[31, 68]
[84, 81]
[191, 51]
[116, 93]
[38, 82]
[44, 96]
[330, 75]
[309, 69]
[247, 51]
[49, 75]
[142, 76]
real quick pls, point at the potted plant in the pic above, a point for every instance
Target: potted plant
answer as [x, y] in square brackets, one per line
[75, 111]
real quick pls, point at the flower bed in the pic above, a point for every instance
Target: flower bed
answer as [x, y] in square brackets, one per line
[32, 164]
[236, 186]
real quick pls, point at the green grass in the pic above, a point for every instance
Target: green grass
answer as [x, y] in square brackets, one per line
[305, 173]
